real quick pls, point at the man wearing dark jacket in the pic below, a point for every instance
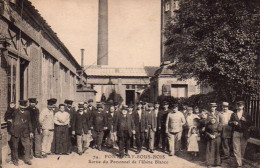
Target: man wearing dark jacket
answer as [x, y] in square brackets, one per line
[9, 116]
[240, 123]
[21, 131]
[140, 127]
[98, 125]
[80, 128]
[125, 129]
[71, 110]
[36, 143]
[162, 116]
[111, 119]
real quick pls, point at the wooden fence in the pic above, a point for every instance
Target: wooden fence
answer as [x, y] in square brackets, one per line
[253, 107]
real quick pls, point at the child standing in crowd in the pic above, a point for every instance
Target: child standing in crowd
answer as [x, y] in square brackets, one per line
[190, 118]
[193, 138]
[213, 131]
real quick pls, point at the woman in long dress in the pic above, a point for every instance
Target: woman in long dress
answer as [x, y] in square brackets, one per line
[61, 120]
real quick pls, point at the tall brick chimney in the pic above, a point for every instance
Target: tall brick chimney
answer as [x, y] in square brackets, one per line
[102, 58]
[82, 58]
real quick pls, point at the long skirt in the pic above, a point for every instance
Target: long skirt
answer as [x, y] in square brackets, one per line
[61, 139]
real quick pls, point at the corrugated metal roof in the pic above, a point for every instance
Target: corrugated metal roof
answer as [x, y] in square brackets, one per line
[115, 71]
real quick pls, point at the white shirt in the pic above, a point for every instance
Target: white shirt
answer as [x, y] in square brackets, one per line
[224, 117]
[62, 118]
[139, 113]
[156, 112]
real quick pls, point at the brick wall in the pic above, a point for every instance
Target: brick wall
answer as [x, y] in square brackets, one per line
[3, 107]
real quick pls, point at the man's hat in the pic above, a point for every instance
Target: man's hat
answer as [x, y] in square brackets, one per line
[174, 105]
[196, 107]
[90, 101]
[143, 103]
[131, 106]
[124, 108]
[139, 103]
[68, 101]
[204, 111]
[213, 104]
[165, 103]
[52, 101]
[150, 105]
[240, 103]
[189, 108]
[116, 103]
[225, 104]
[33, 100]
[85, 102]
[80, 105]
[156, 102]
[61, 105]
[23, 102]
[99, 105]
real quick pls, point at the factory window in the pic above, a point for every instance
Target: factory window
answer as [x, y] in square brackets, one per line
[179, 91]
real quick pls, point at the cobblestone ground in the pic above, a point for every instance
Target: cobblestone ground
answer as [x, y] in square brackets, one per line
[93, 158]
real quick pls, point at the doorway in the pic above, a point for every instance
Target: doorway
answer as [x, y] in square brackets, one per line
[130, 97]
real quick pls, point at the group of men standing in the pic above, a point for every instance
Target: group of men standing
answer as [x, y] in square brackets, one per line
[56, 130]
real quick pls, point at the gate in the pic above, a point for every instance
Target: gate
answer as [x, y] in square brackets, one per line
[253, 108]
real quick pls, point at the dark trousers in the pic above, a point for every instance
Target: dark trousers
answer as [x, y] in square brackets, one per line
[213, 151]
[62, 138]
[124, 142]
[106, 136]
[184, 138]
[70, 140]
[36, 144]
[98, 137]
[157, 138]
[164, 137]
[225, 145]
[26, 144]
[139, 139]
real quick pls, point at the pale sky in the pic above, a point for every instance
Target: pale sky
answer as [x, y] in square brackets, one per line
[134, 29]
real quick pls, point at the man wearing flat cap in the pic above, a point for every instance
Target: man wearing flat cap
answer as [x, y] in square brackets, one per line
[240, 122]
[22, 131]
[224, 117]
[36, 143]
[47, 124]
[98, 125]
[174, 124]
[80, 128]
[162, 116]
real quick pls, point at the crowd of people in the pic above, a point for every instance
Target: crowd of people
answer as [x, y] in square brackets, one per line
[208, 135]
